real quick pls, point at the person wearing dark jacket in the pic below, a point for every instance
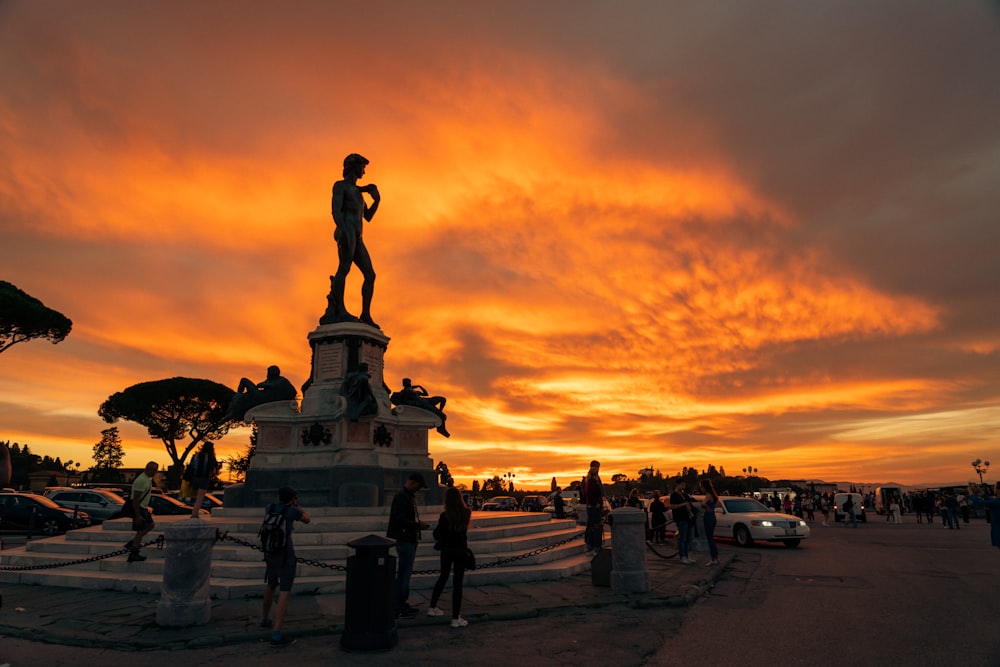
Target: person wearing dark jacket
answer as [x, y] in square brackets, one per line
[592, 493]
[452, 538]
[404, 527]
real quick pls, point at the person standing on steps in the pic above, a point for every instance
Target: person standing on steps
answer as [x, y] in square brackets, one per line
[280, 570]
[142, 518]
[452, 539]
[404, 527]
[592, 494]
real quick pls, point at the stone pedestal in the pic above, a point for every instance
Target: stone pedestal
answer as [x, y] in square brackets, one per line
[628, 551]
[186, 595]
[330, 460]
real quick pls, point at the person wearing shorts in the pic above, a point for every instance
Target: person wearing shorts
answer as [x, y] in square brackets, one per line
[280, 571]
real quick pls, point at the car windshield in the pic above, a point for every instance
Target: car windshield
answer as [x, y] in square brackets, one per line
[743, 505]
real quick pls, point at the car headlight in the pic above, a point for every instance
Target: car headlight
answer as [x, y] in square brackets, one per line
[766, 524]
[802, 523]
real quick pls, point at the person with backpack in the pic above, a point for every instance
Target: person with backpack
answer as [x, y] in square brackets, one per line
[279, 554]
[204, 466]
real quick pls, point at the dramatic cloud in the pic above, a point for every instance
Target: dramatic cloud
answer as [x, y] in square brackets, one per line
[667, 235]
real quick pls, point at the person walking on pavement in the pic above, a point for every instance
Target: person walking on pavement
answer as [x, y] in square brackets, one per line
[592, 492]
[452, 539]
[682, 509]
[142, 518]
[404, 527]
[851, 518]
[992, 505]
[710, 502]
[951, 510]
[658, 519]
[280, 570]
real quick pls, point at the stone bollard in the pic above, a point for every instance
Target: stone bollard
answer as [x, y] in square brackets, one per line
[186, 595]
[628, 551]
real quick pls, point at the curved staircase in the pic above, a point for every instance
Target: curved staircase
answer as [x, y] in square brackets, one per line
[548, 549]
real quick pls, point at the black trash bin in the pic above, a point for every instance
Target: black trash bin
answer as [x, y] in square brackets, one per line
[600, 568]
[369, 603]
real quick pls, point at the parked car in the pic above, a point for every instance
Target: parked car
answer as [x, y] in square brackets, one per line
[208, 503]
[746, 520]
[21, 511]
[163, 505]
[501, 504]
[532, 503]
[100, 504]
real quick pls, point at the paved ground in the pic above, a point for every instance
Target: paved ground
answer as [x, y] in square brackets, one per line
[50, 627]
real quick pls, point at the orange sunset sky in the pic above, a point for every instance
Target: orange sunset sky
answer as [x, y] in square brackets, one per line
[658, 234]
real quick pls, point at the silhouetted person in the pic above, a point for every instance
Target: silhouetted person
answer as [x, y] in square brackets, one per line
[349, 213]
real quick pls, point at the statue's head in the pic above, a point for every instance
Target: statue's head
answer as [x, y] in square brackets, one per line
[273, 372]
[354, 165]
[406, 382]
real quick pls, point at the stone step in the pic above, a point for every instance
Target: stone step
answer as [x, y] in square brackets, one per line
[238, 569]
[144, 578]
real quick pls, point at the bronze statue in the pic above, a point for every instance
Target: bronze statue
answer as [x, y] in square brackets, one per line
[357, 389]
[417, 396]
[250, 395]
[349, 213]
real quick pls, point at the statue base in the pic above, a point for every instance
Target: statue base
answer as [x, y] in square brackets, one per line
[329, 459]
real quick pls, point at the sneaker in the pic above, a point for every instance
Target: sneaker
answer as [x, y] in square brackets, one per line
[459, 622]
[135, 556]
[407, 612]
[281, 642]
[434, 611]
[266, 623]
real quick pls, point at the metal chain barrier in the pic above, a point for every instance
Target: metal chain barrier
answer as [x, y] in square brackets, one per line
[48, 566]
[226, 537]
[506, 561]
[669, 533]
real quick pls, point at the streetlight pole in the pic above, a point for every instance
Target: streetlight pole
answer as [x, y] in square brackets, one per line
[980, 467]
[509, 476]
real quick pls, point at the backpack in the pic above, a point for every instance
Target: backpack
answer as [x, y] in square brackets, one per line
[272, 533]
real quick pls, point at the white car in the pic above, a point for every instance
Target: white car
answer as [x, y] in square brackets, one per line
[746, 520]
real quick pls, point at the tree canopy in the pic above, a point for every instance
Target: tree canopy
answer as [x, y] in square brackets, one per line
[173, 409]
[23, 318]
